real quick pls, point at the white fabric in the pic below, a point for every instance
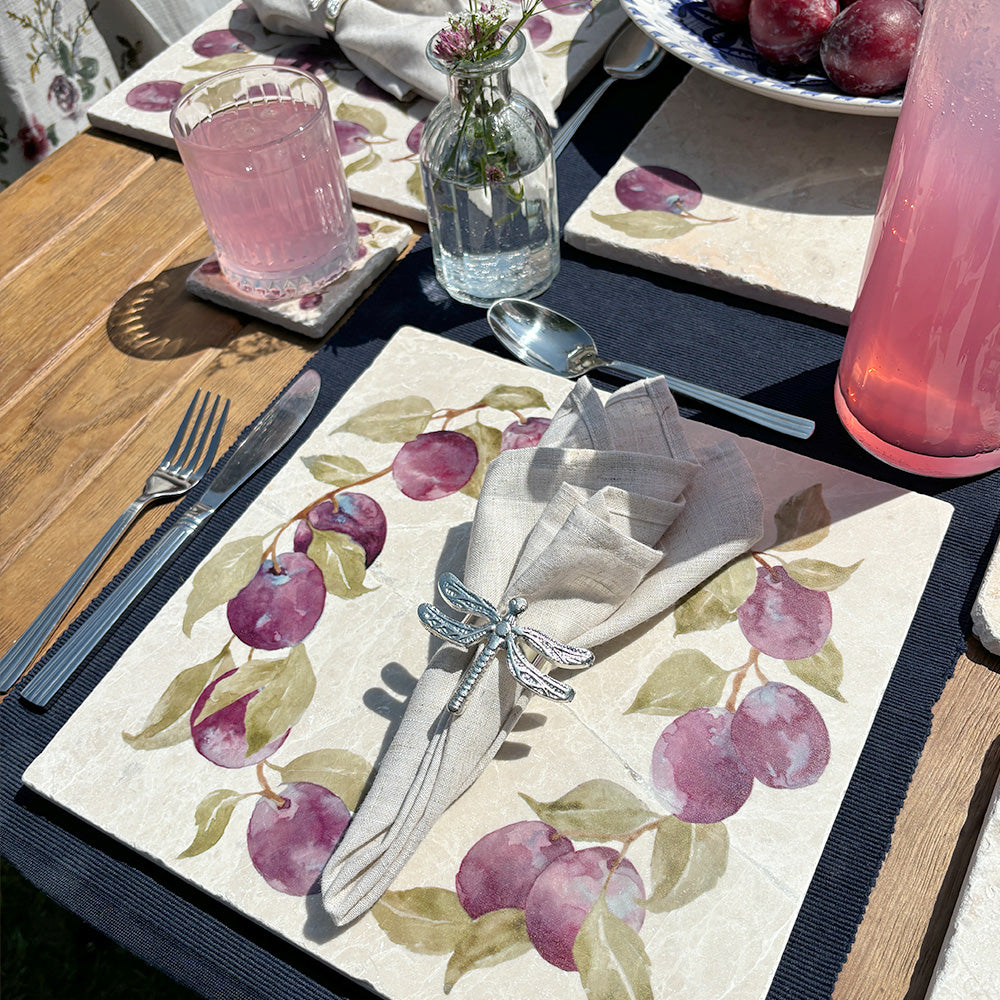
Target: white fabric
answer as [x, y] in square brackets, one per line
[387, 40]
[608, 522]
[57, 57]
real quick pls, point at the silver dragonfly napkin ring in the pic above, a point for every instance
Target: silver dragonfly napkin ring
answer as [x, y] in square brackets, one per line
[500, 631]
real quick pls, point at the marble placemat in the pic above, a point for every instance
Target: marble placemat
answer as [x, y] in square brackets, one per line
[155, 758]
[381, 240]
[733, 190]
[378, 135]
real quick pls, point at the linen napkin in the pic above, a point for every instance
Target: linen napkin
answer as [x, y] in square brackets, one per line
[609, 521]
[387, 39]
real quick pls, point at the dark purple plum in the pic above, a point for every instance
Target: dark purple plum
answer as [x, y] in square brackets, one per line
[154, 95]
[781, 736]
[290, 842]
[730, 10]
[784, 619]
[303, 536]
[868, 49]
[539, 29]
[565, 892]
[789, 32]
[657, 189]
[499, 869]
[351, 137]
[278, 608]
[696, 771]
[356, 515]
[222, 737]
[435, 464]
[524, 433]
[413, 137]
[219, 42]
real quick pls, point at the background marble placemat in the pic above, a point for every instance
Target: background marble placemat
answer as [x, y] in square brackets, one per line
[127, 762]
[739, 192]
[378, 135]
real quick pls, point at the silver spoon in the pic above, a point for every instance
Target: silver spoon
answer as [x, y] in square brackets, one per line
[630, 56]
[547, 340]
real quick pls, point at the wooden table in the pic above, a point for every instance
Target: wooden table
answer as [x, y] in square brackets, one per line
[102, 350]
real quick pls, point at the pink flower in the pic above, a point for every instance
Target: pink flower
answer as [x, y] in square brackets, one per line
[34, 140]
[453, 43]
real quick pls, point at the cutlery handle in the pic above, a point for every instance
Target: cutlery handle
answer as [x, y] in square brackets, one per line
[20, 656]
[785, 423]
[568, 129]
[51, 676]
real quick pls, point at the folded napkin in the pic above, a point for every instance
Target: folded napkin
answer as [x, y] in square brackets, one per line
[608, 522]
[387, 39]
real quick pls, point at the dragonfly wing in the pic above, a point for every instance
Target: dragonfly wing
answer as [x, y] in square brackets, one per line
[458, 633]
[459, 596]
[533, 679]
[557, 652]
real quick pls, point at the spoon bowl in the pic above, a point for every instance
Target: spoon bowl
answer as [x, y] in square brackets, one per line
[552, 342]
[631, 55]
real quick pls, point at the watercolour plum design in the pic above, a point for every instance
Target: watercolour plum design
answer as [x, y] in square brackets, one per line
[561, 884]
[238, 714]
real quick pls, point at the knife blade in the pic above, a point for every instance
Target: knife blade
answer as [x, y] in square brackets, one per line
[270, 433]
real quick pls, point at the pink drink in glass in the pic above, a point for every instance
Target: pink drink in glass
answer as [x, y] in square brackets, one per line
[259, 148]
[919, 379]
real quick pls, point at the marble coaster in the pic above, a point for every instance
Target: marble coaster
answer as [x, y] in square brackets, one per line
[734, 190]
[382, 241]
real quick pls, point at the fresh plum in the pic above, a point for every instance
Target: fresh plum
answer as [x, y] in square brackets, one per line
[789, 32]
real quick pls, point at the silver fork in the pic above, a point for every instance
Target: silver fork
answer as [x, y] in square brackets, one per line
[189, 457]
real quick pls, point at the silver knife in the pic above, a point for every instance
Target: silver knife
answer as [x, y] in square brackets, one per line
[268, 435]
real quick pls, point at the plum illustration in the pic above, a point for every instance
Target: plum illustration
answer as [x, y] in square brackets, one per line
[154, 95]
[291, 841]
[658, 189]
[524, 434]
[565, 892]
[435, 464]
[500, 868]
[784, 619]
[697, 773]
[280, 606]
[351, 137]
[356, 515]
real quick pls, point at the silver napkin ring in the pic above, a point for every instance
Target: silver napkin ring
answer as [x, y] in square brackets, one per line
[501, 631]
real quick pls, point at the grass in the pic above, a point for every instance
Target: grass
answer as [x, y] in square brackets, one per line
[46, 952]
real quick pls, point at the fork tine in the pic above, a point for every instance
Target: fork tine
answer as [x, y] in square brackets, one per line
[214, 444]
[181, 431]
[190, 465]
[192, 437]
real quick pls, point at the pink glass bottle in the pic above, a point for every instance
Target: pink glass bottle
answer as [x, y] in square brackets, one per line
[919, 378]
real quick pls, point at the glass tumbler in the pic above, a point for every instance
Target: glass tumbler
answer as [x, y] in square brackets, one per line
[919, 379]
[260, 151]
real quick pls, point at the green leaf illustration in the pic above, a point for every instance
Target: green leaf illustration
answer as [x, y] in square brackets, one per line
[686, 679]
[819, 575]
[371, 118]
[714, 603]
[489, 940]
[342, 772]
[280, 702]
[211, 816]
[688, 860]
[415, 185]
[824, 670]
[222, 577]
[228, 60]
[488, 445]
[611, 957]
[803, 520]
[595, 810]
[335, 470]
[514, 397]
[558, 49]
[341, 561]
[369, 161]
[168, 722]
[392, 421]
[426, 920]
[647, 224]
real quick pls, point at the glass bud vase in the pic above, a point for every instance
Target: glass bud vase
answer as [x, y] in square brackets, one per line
[489, 179]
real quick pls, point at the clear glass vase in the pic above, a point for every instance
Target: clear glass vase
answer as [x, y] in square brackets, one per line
[489, 178]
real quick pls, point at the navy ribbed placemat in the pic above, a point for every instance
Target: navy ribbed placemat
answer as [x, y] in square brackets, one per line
[766, 354]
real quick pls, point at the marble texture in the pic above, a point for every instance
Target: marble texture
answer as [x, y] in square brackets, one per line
[382, 241]
[968, 967]
[378, 135]
[783, 204]
[154, 791]
[986, 607]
